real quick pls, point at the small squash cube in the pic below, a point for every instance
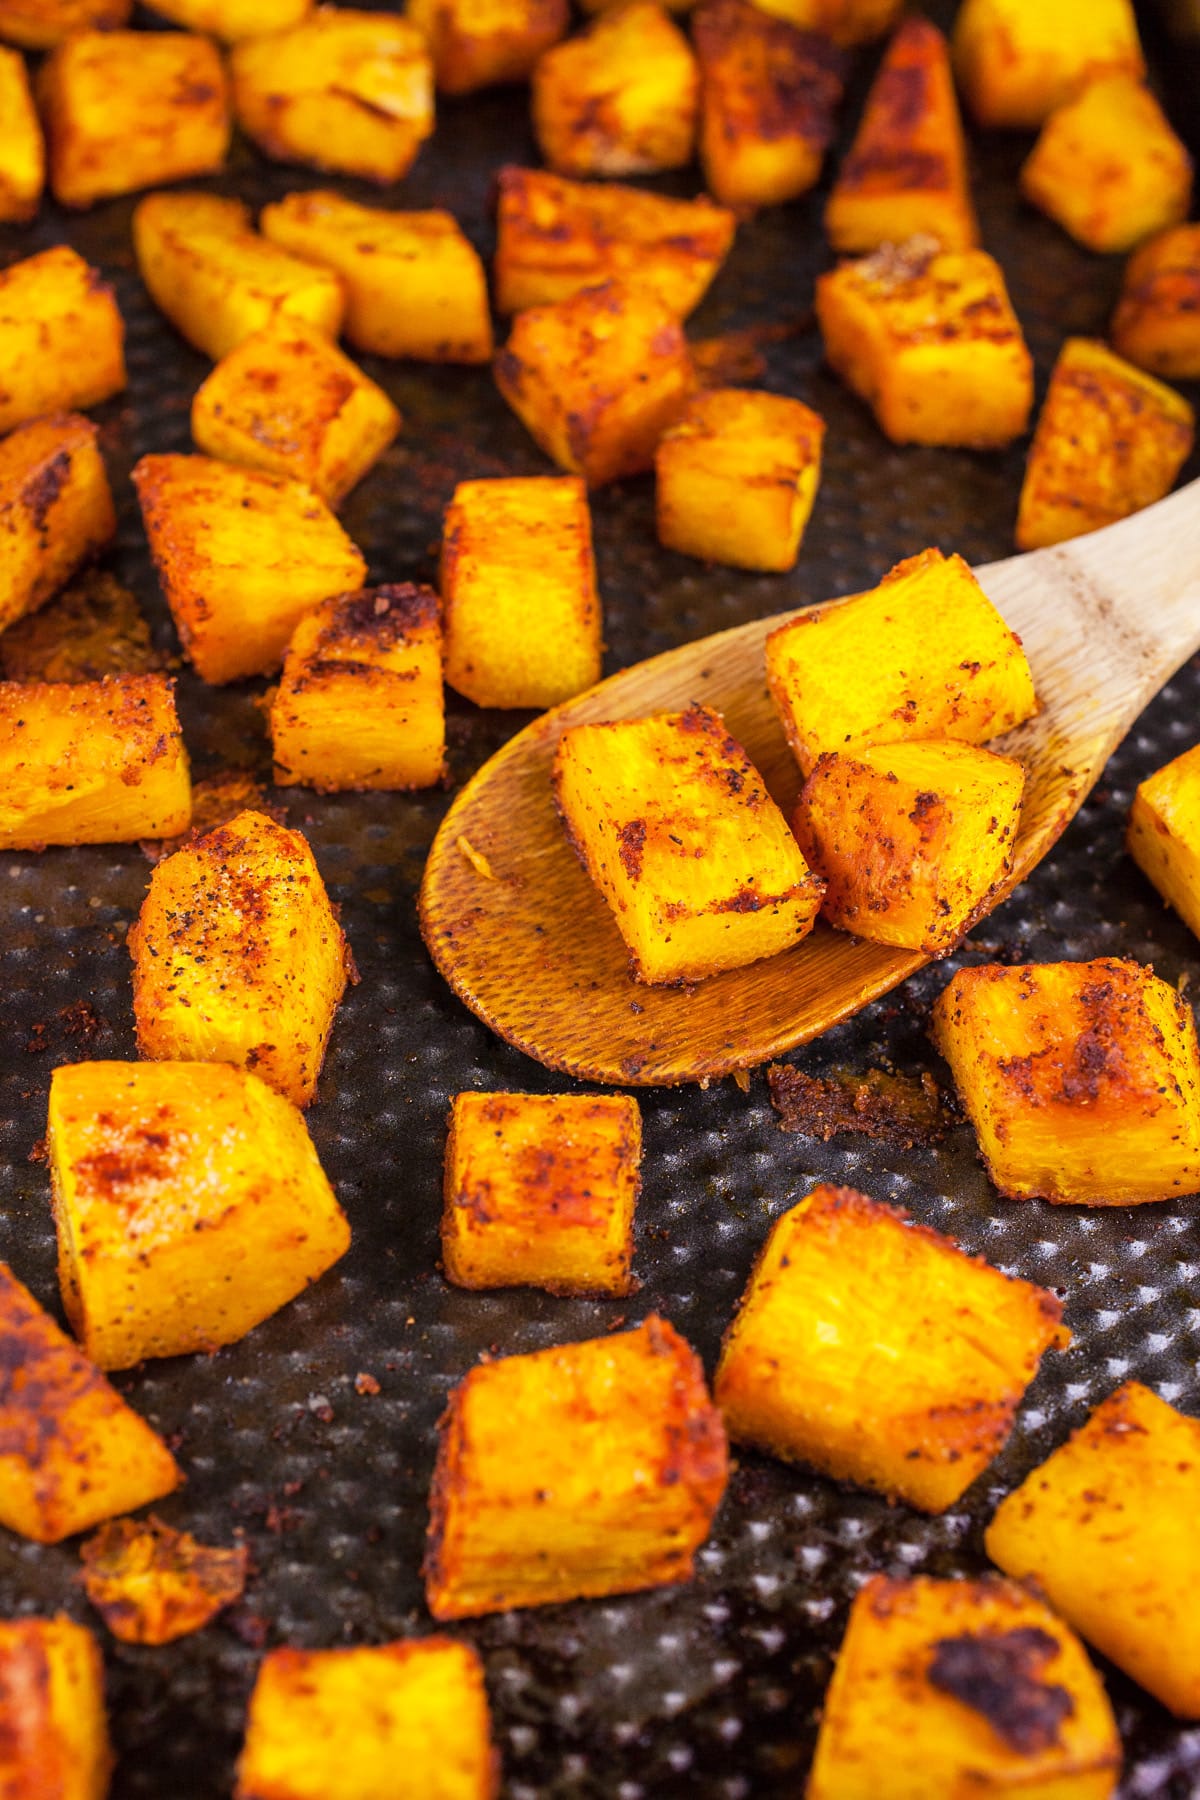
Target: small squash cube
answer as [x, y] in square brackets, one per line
[242, 557]
[943, 664]
[479, 43]
[674, 824]
[1016, 60]
[92, 762]
[56, 509]
[1082, 1080]
[93, 85]
[1109, 441]
[62, 336]
[846, 22]
[737, 477]
[414, 283]
[540, 1190]
[40, 24]
[1108, 166]
[621, 99]
[962, 1687]
[1164, 834]
[1107, 1528]
[344, 90]
[574, 1472]
[22, 151]
[518, 581]
[231, 20]
[152, 1585]
[238, 956]
[55, 1740]
[597, 379]
[409, 1720]
[1157, 321]
[928, 338]
[360, 702]
[71, 1451]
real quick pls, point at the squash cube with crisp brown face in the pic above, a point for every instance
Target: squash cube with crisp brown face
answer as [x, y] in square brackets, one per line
[62, 337]
[40, 24]
[55, 1740]
[152, 1584]
[478, 43]
[231, 20]
[1157, 321]
[622, 99]
[56, 509]
[1082, 1080]
[1164, 834]
[1016, 60]
[22, 151]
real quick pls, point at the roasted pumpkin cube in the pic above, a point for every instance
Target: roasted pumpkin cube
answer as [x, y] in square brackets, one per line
[928, 338]
[476, 45]
[1164, 833]
[56, 509]
[242, 557]
[360, 702]
[962, 1687]
[238, 956]
[230, 20]
[597, 379]
[846, 22]
[583, 1470]
[40, 24]
[22, 151]
[540, 1191]
[91, 762]
[518, 581]
[674, 824]
[621, 99]
[52, 1700]
[408, 1719]
[414, 283]
[71, 1451]
[1108, 167]
[943, 664]
[737, 477]
[1016, 60]
[93, 85]
[344, 90]
[63, 337]
[152, 1585]
[1082, 1080]
[1157, 321]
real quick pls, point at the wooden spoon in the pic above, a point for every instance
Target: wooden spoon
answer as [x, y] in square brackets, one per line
[523, 937]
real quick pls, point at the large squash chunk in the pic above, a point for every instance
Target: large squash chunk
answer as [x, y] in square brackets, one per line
[230, 20]
[1164, 833]
[238, 956]
[1157, 321]
[1019, 59]
[152, 1584]
[40, 24]
[55, 1741]
[61, 337]
[56, 509]
[1082, 1080]
[1107, 1529]
[22, 151]
[584, 1470]
[622, 99]
[478, 43]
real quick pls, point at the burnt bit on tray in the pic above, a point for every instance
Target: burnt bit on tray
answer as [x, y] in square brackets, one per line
[94, 628]
[898, 1109]
[737, 356]
[999, 1674]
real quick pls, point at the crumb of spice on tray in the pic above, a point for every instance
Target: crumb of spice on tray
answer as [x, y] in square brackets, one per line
[898, 1109]
[94, 628]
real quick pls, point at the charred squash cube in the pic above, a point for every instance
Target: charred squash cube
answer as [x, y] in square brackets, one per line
[1157, 321]
[1082, 1080]
[846, 22]
[1017, 61]
[22, 151]
[61, 336]
[52, 1701]
[879, 1352]
[1164, 834]
[56, 509]
[152, 1585]
[622, 99]
[230, 20]
[575, 1472]
[40, 24]
[957, 1687]
[478, 43]
[540, 1190]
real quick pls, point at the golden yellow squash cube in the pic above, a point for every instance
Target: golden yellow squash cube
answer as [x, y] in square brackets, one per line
[584, 1470]
[360, 702]
[55, 1742]
[879, 1352]
[1082, 1080]
[518, 582]
[737, 477]
[956, 1688]
[540, 1190]
[1164, 834]
[1108, 167]
[1016, 60]
[1157, 321]
[928, 338]
[344, 90]
[151, 1584]
[622, 99]
[943, 664]
[56, 509]
[22, 151]
[414, 283]
[132, 109]
[62, 337]
[478, 43]
[408, 1719]
[674, 824]
[40, 24]
[846, 22]
[231, 20]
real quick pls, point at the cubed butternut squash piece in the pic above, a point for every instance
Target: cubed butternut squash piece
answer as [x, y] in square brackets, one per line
[674, 824]
[621, 99]
[1109, 440]
[579, 1471]
[71, 1451]
[414, 283]
[1157, 321]
[92, 762]
[1082, 1080]
[540, 1191]
[928, 338]
[343, 90]
[737, 477]
[1108, 167]
[597, 379]
[55, 1742]
[1164, 833]
[231, 20]
[479, 43]
[1016, 60]
[94, 85]
[40, 24]
[846, 22]
[409, 1720]
[152, 1584]
[962, 1687]
[518, 582]
[360, 701]
[556, 237]
[242, 557]
[286, 400]
[63, 337]
[943, 664]
[911, 839]
[56, 509]
[238, 957]
[22, 150]
[879, 1352]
